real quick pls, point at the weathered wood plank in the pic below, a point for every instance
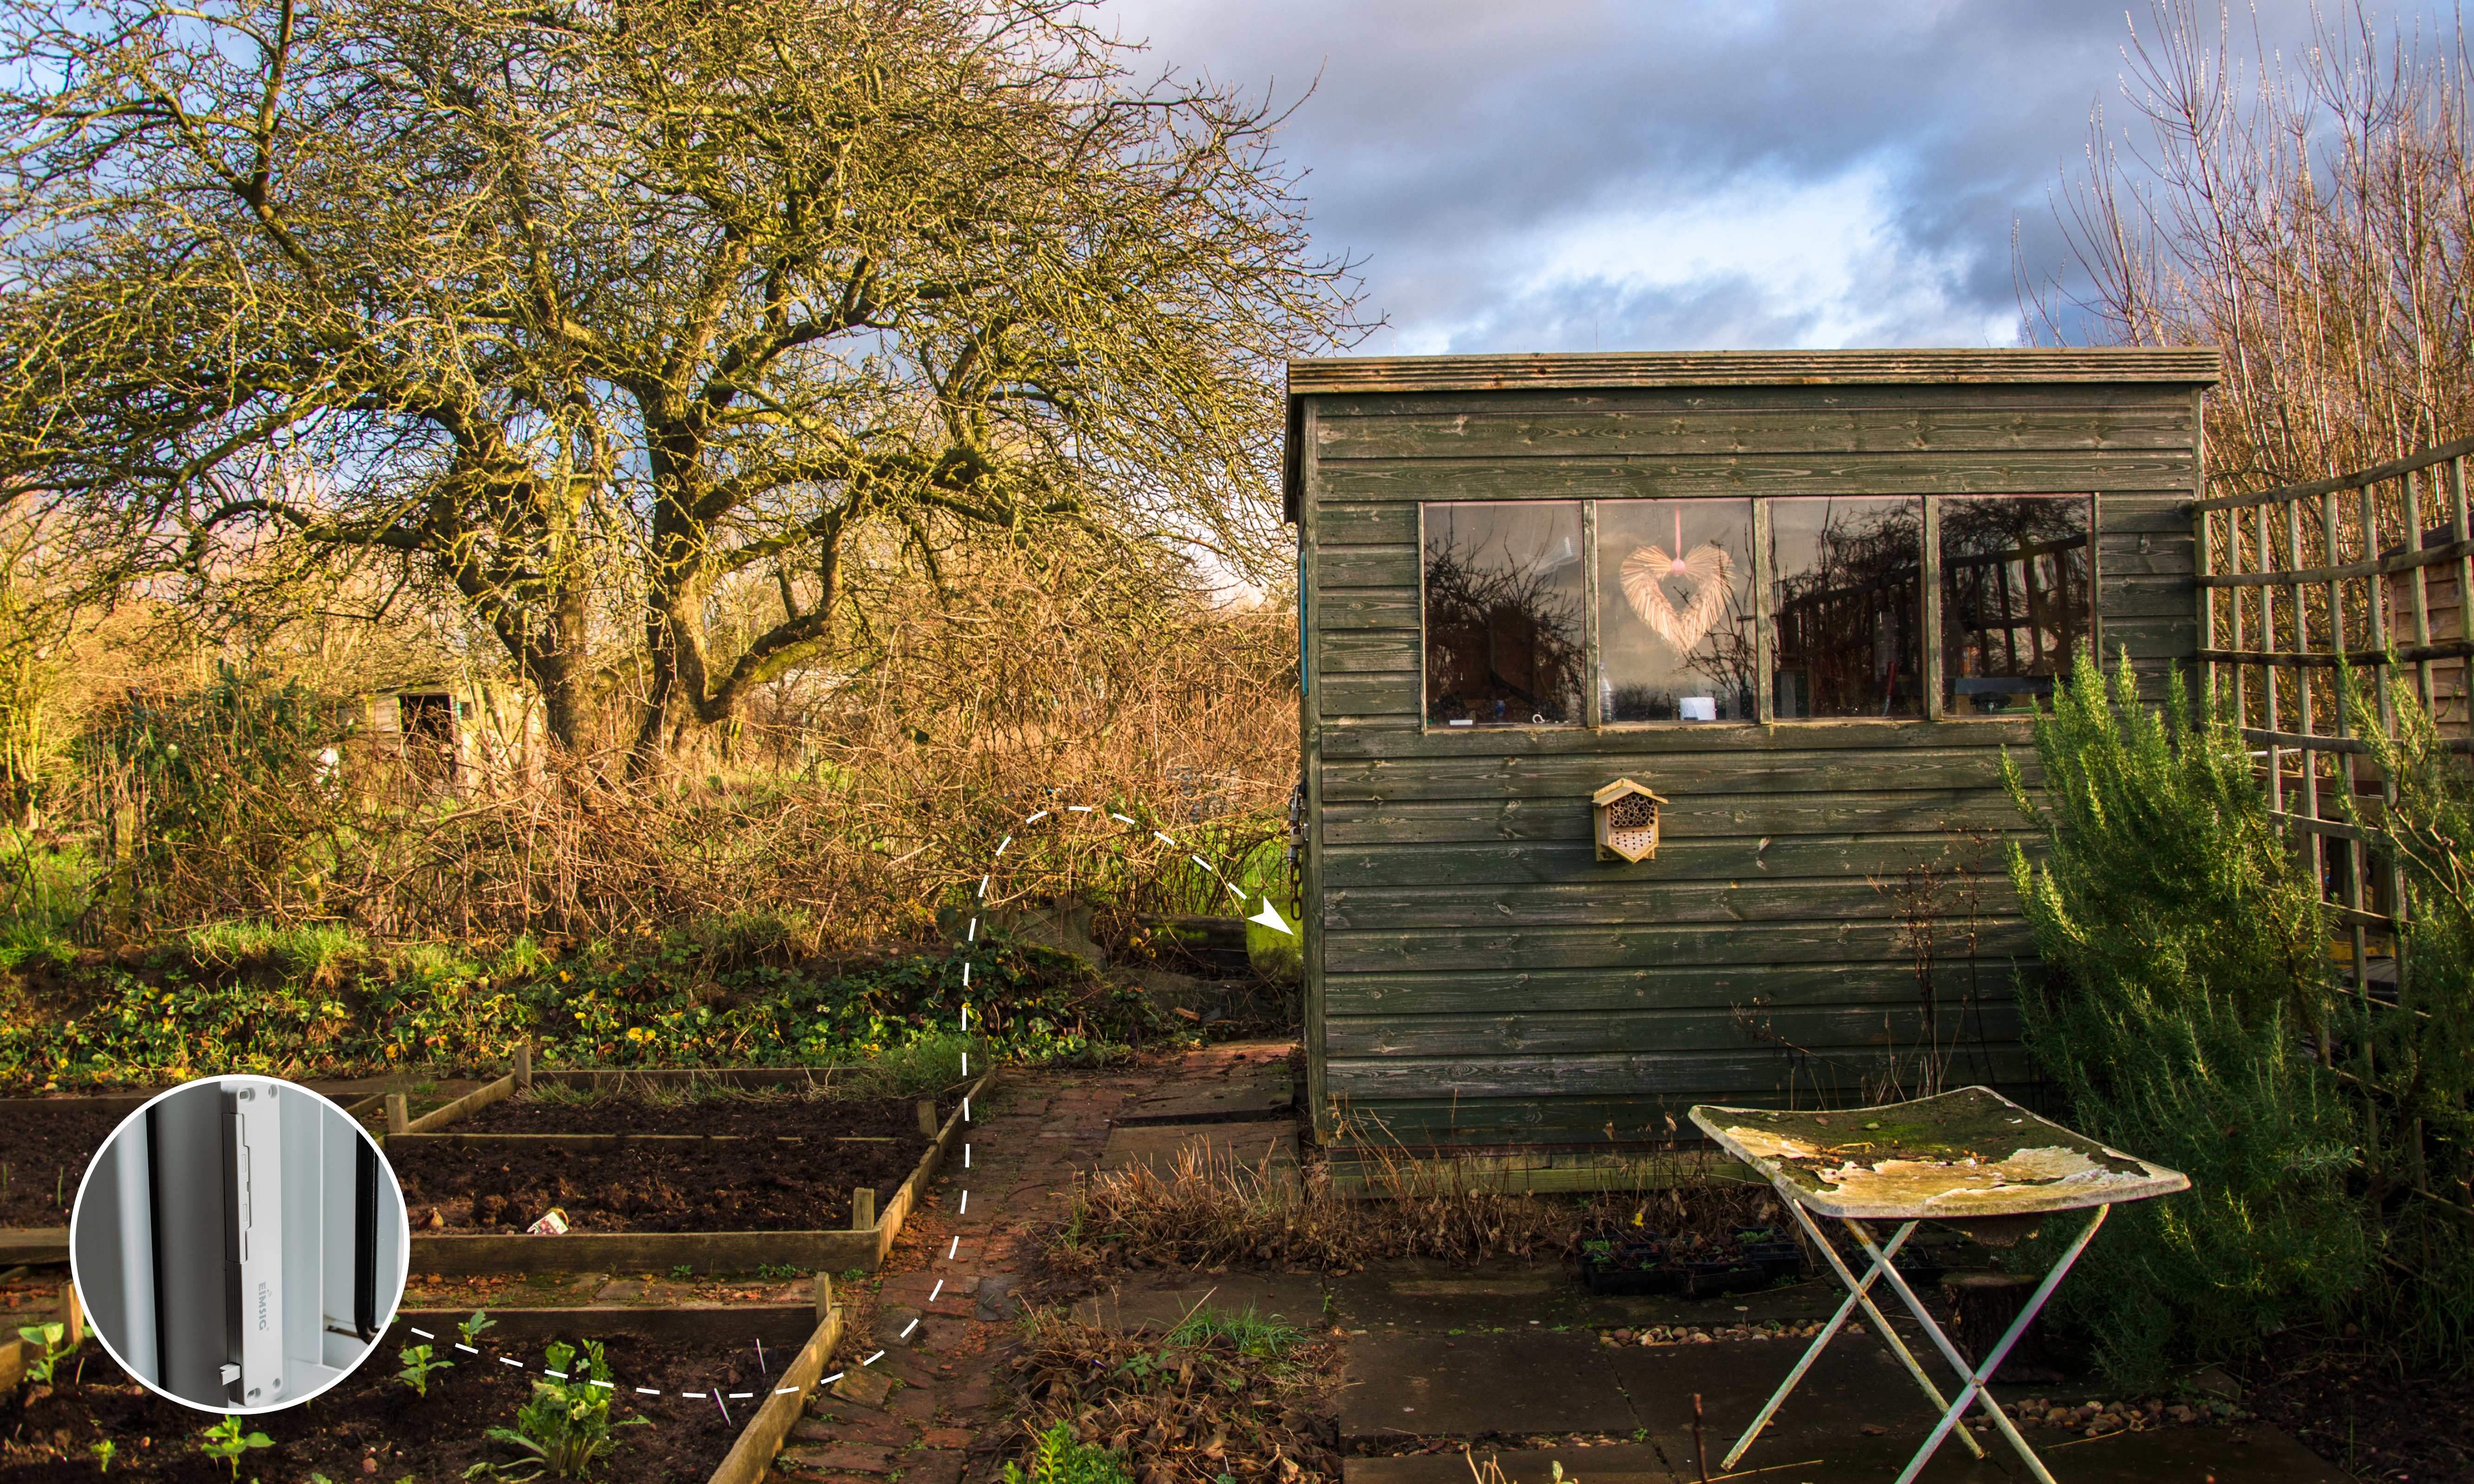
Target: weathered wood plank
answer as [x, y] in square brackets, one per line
[642, 1251]
[1536, 1125]
[1615, 903]
[1520, 1080]
[779, 1325]
[464, 1107]
[750, 1459]
[1390, 693]
[1639, 946]
[1943, 811]
[1341, 524]
[1800, 430]
[1401, 997]
[1367, 567]
[1368, 651]
[1871, 1027]
[2163, 517]
[1367, 607]
[1712, 398]
[1678, 777]
[1783, 737]
[1728, 858]
[1374, 480]
[2119, 597]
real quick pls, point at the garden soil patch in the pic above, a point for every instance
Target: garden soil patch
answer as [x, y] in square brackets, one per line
[752, 1116]
[47, 1152]
[792, 1170]
[2354, 1408]
[47, 1433]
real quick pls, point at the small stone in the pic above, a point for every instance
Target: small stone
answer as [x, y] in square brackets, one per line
[866, 1387]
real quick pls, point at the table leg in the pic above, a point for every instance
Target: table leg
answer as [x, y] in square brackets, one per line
[1812, 1352]
[1981, 1374]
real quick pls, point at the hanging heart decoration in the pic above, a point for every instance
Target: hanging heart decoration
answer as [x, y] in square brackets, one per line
[1706, 568]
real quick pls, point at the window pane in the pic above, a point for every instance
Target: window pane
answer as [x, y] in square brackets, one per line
[1846, 607]
[2015, 600]
[1674, 611]
[1503, 599]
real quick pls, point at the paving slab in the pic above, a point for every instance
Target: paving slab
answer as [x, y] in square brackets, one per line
[2176, 1455]
[1414, 1385]
[1160, 1147]
[1246, 1095]
[1294, 1299]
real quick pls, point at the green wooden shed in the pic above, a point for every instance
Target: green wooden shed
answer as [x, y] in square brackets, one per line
[1800, 601]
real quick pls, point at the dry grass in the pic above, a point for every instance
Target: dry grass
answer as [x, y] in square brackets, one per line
[1213, 1210]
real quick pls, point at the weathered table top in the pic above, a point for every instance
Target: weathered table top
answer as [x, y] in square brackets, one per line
[1971, 1153]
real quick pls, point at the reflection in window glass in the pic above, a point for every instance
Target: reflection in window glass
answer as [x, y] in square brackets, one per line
[1846, 606]
[2014, 599]
[1503, 601]
[1674, 611]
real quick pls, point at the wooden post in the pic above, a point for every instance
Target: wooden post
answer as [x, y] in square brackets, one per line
[864, 1208]
[399, 1117]
[72, 1314]
[523, 1065]
[824, 1296]
[928, 1116]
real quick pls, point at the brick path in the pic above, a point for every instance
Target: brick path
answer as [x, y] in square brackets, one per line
[944, 1422]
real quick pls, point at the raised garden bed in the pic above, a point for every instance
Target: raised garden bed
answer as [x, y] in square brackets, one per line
[45, 1145]
[813, 1183]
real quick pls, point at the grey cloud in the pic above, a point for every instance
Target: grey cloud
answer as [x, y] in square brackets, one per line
[1448, 138]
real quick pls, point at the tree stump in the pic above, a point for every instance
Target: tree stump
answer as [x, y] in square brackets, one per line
[1982, 1307]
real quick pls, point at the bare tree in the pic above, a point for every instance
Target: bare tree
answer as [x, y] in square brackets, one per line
[598, 302]
[2311, 216]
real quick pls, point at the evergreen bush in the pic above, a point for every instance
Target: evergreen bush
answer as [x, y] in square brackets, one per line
[2187, 946]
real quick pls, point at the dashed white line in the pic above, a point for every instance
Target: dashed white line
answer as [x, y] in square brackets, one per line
[424, 1334]
[646, 1391]
[468, 1349]
[966, 1156]
[957, 1241]
[605, 1385]
[932, 1292]
[1080, 808]
[561, 1375]
[504, 1361]
[741, 1396]
[873, 1359]
[784, 1391]
[1204, 864]
[1036, 817]
[964, 1208]
[906, 1328]
[1156, 835]
[825, 1381]
[1122, 820]
[693, 1395]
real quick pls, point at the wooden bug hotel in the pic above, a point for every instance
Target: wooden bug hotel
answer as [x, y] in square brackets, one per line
[1654, 714]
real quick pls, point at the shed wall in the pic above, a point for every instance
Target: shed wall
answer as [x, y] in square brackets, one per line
[1477, 978]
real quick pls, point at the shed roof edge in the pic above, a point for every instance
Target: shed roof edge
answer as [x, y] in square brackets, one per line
[2191, 366]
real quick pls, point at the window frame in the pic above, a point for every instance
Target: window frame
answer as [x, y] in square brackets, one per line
[1764, 711]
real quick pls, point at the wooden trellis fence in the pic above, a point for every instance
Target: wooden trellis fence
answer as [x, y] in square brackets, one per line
[2370, 570]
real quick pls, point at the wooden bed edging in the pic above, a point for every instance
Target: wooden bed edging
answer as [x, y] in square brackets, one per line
[782, 1327]
[34, 1246]
[706, 1251]
[752, 1455]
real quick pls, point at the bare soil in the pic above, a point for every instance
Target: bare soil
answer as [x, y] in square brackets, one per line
[46, 1433]
[46, 1155]
[791, 1168]
[2360, 1411]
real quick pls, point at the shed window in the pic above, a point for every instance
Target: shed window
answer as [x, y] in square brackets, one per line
[2017, 600]
[1503, 592]
[1847, 607]
[1674, 611]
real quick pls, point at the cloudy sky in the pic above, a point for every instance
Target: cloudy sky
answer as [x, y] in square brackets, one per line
[1569, 175]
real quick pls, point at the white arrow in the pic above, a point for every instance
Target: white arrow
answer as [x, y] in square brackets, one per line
[1270, 917]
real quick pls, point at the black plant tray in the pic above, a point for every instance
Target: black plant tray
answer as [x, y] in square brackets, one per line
[1617, 1277]
[1709, 1280]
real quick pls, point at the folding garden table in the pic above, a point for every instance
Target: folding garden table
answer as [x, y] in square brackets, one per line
[1972, 1160]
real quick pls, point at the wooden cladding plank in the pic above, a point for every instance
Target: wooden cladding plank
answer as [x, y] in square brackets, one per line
[1625, 1033]
[1888, 398]
[1616, 903]
[2119, 597]
[1944, 812]
[1402, 996]
[1589, 432]
[2162, 517]
[1338, 523]
[1395, 950]
[1367, 607]
[1727, 858]
[1846, 474]
[1368, 651]
[1853, 732]
[1676, 776]
[1478, 1078]
[1367, 567]
[1539, 1126]
[1818, 373]
[1391, 693]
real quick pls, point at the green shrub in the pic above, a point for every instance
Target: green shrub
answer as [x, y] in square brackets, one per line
[1059, 1459]
[2186, 943]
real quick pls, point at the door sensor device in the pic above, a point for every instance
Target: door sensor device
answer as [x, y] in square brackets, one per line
[238, 1243]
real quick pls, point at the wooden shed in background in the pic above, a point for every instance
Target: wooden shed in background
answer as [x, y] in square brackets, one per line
[1804, 597]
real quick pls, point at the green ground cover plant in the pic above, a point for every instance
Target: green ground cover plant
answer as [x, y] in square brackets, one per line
[2190, 1018]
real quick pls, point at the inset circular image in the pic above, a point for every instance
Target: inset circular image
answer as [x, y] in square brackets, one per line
[239, 1244]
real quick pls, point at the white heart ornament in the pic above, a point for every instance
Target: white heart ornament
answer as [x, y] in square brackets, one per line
[1706, 568]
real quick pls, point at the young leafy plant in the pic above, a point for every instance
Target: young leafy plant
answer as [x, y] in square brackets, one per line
[55, 1346]
[471, 1329]
[418, 1367]
[226, 1440]
[103, 1452]
[567, 1423]
[1060, 1459]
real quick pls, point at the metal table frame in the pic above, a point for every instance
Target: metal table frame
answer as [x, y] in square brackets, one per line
[1859, 1292]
